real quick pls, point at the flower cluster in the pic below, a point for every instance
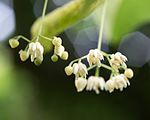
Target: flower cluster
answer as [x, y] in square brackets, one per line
[117, 82]
[96, 83]
[35, 50]
[59, 50]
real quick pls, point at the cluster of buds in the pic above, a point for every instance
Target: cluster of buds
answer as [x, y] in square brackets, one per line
[59, 50]
[94, 58]
[35, 50]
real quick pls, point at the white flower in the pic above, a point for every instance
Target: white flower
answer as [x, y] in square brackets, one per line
[117, 82]
[58, 50]
[118, 59]
[36, 51]
[110, 85]
[80, 84]
[120, 82]
[80, 69]
[94, 83]
[94, 57]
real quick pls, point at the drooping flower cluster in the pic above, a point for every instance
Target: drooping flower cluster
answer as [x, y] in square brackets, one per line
[59, 50]
[35, 50]
[96, 83]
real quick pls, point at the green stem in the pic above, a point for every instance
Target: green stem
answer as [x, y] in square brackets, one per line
[106, 66]
[109, 60]
[102, 26]
[78, 59]
[91, 67]
[112, 69]
[101, 33]
[24, 38]
[105, 54]
[102, 65]
[45, 38]
[97, 71]
[43, 15]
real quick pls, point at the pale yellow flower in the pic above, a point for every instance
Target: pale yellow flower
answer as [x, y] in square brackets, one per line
[80, 84]
[80, 69]
[58, 50]
[95, 83]
[36, 51]
[94, 57]
[118, 59]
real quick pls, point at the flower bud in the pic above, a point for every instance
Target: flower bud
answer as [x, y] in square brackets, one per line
[110, 85]
[64, 55]
[80, 84]
[57, 41]
[68, 70]
[37, 61]
[129, 73]
[59, 50]
[23, 55]
[13, 43]
[54, 58]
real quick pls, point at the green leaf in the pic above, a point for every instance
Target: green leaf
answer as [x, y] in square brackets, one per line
[63, 17]
[130, 15]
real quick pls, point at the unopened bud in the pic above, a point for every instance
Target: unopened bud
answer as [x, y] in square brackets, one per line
[128, 73]
[64, 55]
[37, 62]
[58, 50]
[54, 58]
[80, 84]
[13, 43]
[23, 55]
[68, 70]
[57, 41]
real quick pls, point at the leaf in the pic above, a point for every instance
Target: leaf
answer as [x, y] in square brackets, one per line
[63, 17]
[130, 15]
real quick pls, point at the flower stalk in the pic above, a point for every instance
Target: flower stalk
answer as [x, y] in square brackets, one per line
[101, 29]
[43, 15]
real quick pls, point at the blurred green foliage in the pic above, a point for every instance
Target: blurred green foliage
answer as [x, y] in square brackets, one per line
[130, 15]
[15, 90]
